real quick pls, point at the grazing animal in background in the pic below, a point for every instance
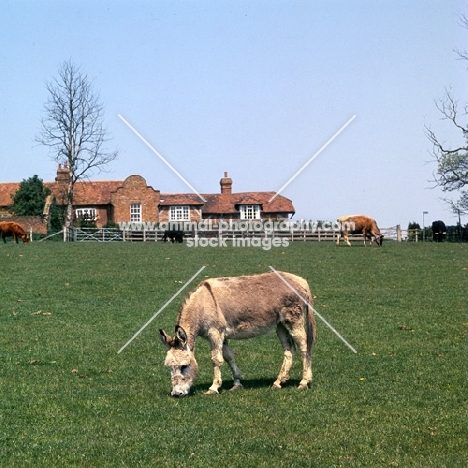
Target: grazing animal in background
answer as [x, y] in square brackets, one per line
[359, 224]
[12, 229]
[173, 236]
[241, 307]
[439, 231]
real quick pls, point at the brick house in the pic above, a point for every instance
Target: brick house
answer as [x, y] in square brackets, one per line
[225, 205]
[132, 200]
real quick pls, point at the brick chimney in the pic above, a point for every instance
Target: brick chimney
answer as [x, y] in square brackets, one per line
[226, 184]
[63, 174]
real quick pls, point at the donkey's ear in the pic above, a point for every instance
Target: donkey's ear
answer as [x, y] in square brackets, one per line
[181, 336]
[165, 338]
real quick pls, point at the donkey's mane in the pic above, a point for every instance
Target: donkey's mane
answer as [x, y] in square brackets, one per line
[189, 298]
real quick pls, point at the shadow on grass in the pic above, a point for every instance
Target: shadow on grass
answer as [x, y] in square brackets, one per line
[247, 385]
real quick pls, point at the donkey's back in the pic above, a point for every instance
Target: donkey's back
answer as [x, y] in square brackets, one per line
[249, 306]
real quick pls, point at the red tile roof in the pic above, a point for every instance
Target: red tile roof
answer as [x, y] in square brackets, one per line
[279, 204]
[228, 203]
[168, 199]
[86, 193]
[7, 188]
[89, 192]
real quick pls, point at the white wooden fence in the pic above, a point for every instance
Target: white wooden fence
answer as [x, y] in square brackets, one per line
[394, 233]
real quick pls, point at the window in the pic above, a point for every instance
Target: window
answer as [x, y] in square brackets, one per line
[250, 212]
[86, 214]
[179, 213]
[135, 213]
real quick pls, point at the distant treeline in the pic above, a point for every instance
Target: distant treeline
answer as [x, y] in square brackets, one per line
[457, 233]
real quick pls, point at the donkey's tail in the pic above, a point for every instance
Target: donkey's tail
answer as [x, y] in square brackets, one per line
[310, 326]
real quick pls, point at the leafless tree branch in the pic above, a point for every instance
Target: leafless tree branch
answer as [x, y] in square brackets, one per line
[73, 127]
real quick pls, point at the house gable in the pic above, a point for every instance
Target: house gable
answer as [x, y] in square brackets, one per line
[132, 194]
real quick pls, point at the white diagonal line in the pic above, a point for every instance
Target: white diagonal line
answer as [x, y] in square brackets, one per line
[159, 156]
[312, 158]
[161, 309]
[316, 313]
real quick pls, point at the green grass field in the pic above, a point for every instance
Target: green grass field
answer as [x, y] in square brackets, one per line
[68, 399]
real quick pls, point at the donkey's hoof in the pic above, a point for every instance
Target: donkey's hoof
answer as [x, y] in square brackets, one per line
[211, 391]
[236, 387]
[303, 386]
[276, 386]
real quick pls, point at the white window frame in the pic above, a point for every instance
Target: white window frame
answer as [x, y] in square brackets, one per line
[135, 212]
[249, 212]
[89, 213]
[179, 213]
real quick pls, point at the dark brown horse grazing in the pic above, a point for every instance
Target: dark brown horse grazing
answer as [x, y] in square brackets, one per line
[12, 229]
[241, 307]
[173, 236]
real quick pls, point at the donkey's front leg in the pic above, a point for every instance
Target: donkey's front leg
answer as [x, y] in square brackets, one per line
[216, 342]
[217, 360]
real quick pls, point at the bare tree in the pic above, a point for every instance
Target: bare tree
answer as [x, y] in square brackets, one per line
[452, 162]
[73, 128]
[463, 54]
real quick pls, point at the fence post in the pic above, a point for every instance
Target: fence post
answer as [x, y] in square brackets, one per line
[398, 233]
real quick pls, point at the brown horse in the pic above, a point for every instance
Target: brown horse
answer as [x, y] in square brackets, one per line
[241, 307]
[12, 229]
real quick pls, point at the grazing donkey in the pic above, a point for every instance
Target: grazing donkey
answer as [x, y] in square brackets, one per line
[241, 307]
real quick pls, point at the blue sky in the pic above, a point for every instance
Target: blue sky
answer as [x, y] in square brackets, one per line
[254, 88]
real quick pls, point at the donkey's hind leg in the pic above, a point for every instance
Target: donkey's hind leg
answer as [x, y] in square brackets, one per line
[300, 339]
[228, 356]
[288, 353]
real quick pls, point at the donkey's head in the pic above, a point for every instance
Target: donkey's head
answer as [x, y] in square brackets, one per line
[181, 361]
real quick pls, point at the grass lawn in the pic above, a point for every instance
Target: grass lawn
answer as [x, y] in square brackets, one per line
[68, 399]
